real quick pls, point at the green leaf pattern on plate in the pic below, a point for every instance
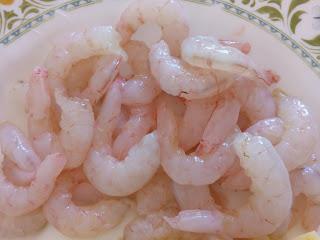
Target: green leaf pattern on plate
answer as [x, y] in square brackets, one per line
[295, 19]
[273, 13]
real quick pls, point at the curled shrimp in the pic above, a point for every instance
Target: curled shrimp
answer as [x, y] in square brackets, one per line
[222, 123]
[207, 52]
[16, 147]
[301, 133]
[81, 221]
[119, 177]
[77, 126]
[141, 89]
[16, 175]
[190, 169]
[180, 79]
[267, 207]
[149, 198]
[95, 41]
[11, 227]
[18, 200]
[244, 47]
[194, 122]
[167, 14]
[140, 123]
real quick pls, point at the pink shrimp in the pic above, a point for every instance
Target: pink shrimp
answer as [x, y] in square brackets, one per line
[168, 15]
[81, 221]
[189, 169]
[194, 122]
[266, 209]
[15, 200]
[221, 124]
[141, 122]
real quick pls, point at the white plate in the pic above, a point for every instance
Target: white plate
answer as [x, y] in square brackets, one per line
[267, 26]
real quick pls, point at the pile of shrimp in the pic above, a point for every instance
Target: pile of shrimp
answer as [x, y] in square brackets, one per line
[186, 130]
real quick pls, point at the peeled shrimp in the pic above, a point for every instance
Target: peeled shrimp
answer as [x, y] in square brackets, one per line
[80, 221]
[17, 148]
[271, 129]
[121, 178]
[153, 226]
[306, 180]
[106, 69]
[46, 144]
[222, 123]
[167, 14]
[193, 197]
[110, 175]
[95, 41]
[301, 133]
[194, 122]
[268, 206]
[156, 195]
[140, 123]
[77, 126]
[189, 169]
[38, 103]
[15, 200]
[138, 57]
[141, 89]
[21, 226]
[237, 181]
[229, 62]
[180, 79]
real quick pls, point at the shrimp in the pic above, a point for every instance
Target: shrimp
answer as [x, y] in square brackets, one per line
[221, 124]
[110, 175]
[11, 227]
[180, 79]
[301, 133]
[95, 41]
[306, 180]
[255, 98]
[310, 219]
[169, 15]
[189, 169]
[141, 89]
[138, 57]
[141, 122]
[194, 122]
[17, 200]
[267, 207]
[46, 144]
[106, 69]
[229, 62]
[244, 47]
[80, 221]
[193, 197]
[153, 226]
[271, 129]
[38, 103]
[122, 178]
[77, 126]
[122, 119]
[16, 147]
[156, 195]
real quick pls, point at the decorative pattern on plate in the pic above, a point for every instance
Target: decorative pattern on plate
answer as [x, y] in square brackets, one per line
[295, 22]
